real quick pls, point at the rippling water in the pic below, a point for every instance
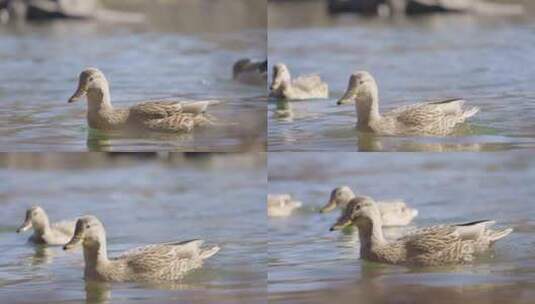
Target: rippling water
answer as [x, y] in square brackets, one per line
[40, 63]
[139, 202]
[309, 264]
[483, 60]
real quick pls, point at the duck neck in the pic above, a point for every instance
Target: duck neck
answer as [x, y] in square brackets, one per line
[370, 235]
[95, 256]
[42, 227]
[99, 100]
[367, 108]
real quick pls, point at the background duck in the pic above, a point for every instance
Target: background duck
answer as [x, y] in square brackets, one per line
[302, 87]
[280, 205]
[250, 72]
[393, 212]
[430, 246]
[433, 118]
[58, 233]
[157, 262]
[163, 116]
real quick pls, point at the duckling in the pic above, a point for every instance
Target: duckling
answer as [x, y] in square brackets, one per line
[393, 212]
[58, 233]
[430, 246]
[156, 262]
[280, 205]
[300, 88]
[162, 116]
[438, 118]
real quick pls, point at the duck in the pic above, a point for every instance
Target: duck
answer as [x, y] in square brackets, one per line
[436, 118]
[154, 115]
[250, 72]
[437, 245]
[156, 262]
[300, 88]
[281, 205]
[45, 233]
[393, 212]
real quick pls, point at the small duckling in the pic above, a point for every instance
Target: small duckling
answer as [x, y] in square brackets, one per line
[58, 233]
[300, 88]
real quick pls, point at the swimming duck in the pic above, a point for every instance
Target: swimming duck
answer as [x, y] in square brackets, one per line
[157, 262]
[302, 87]
[250, 72]
[437, 118]
[393, 212]
[430, 246]
[162, 116]
[57, 233]
[280, 205]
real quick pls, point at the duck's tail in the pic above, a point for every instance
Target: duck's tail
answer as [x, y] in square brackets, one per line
[470, 112]
[498, 234]
[209, 252]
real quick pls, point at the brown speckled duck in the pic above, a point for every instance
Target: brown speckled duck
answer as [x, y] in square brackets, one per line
[162, 116]
[430, 246]
[437, 118]
[157, 262]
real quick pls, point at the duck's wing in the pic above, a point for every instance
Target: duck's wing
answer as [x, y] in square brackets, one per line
[425, 114]
[151, 257]
[155, 109]
[307, 82]
[431, 239]
[66, 227]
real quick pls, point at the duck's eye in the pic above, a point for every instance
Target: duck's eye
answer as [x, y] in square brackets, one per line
[87, 226]
[91, 78]
[361, 81]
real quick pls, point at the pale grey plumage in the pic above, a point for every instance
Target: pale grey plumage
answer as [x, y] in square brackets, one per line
[44, 232]
[302, 87]
[393, 212]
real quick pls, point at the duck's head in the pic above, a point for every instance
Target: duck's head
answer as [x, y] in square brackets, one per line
[35, 218]
[361, 209]
[281, 76]
[239, 66]
[89, 231]
[361, 84]
[339, 198]
[90, 80]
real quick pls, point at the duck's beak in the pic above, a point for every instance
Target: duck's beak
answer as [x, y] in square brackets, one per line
[25, 226]
[342, 222]
[349, 97]
[80, 92]
[329, 207]
[76, 239]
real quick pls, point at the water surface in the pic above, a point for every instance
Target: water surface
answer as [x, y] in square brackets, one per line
[483, 60]
[310, 264]
[140, 201]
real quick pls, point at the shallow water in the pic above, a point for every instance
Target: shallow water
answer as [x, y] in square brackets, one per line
[40, 63]
[309, 264]
[480, 59]
[140, 201]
